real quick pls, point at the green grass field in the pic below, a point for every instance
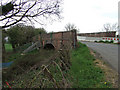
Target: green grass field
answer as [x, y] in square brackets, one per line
[8, 47]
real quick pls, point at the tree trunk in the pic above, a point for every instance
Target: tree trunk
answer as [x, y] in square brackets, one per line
[13, 46]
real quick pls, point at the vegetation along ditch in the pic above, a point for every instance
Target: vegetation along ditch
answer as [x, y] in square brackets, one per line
[65, 68]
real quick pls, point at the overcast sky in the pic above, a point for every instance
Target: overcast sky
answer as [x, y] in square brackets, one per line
[87, 15]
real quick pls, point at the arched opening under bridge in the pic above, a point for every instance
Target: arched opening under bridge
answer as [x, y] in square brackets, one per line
[49, 46]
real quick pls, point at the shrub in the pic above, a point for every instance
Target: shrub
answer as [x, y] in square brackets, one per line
[111, 41]
[106, 41]
[101, 41]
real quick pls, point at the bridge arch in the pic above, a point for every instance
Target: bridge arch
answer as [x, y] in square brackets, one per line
[49, 46]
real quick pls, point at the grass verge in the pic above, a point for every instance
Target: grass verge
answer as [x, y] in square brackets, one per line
[83, 70]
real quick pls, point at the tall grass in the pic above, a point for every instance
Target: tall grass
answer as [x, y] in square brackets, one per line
[10, 55]
[23, 47]
[26, 62]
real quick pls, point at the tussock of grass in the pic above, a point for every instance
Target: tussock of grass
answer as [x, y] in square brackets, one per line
[83, 71]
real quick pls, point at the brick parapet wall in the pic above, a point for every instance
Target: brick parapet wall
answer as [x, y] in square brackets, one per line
[99, 34]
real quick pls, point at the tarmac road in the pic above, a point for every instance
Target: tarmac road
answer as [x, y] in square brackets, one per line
[109, 52]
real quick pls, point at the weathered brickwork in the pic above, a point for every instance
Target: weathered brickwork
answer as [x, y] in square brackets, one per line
[58, 39]
[99, 34]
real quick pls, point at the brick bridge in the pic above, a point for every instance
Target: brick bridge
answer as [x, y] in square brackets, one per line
[54, 40]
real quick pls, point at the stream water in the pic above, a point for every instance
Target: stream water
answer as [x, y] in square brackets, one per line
[4, 65]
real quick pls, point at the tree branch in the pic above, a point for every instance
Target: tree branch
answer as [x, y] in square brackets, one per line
[31, 10]
[20, 18]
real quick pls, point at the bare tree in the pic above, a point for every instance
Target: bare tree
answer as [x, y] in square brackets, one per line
[69, 27]
[115, 27]
[110, 27]
[29, 11]
[107, 27]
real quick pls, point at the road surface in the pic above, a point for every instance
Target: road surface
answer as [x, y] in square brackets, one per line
[109, 52]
